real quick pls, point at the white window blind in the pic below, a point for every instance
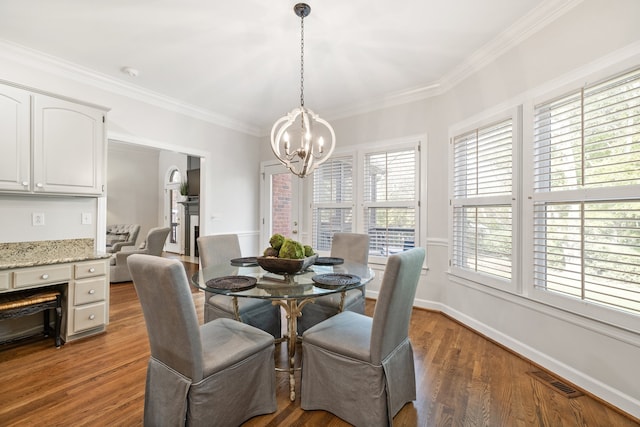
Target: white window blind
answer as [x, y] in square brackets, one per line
[482, 202]
[332, 206]
[390, 200]
[587, 194]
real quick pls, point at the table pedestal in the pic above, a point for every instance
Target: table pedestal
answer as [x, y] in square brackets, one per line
[293, 310]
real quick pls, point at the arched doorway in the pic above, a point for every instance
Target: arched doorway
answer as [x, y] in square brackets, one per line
[174, 212]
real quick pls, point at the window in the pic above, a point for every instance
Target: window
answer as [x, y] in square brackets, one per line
[390, 200]
[332, 207]
[586, 205]
[387, 189]
[482, 211]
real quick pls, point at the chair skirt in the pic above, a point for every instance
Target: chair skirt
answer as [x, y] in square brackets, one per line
[361, 393]
[255, 312]
[224, 399]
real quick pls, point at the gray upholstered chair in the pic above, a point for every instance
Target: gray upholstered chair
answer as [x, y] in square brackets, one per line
[218, 374]
[121, 235]
[349, 246]
[153, 245]
[222, 248]
[361, 368]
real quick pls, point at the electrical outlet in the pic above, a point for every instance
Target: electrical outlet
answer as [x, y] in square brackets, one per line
[37, 219]
[86, 218]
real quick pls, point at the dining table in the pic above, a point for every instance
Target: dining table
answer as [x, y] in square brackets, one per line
[244, 278]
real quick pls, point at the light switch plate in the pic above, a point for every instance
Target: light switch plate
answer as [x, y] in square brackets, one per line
[37, 219]
[86, 218]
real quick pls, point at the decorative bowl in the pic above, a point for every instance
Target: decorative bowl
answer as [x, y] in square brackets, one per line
[285, 265]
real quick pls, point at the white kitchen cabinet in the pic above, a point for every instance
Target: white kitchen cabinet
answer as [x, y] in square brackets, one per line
[87, 300]
[15, 137]
[51, 145]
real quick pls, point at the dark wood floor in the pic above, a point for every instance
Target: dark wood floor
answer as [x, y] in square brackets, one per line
[463, 380]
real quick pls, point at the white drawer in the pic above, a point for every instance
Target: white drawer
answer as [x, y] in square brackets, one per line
[90, 290]
[5, 281]
[90, 269]
[88, 316]
[41, 276]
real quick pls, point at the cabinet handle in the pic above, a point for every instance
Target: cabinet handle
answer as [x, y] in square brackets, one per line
[92, 270]
[44, 276]
[92, 291]
[39, 185]
[25, 183]
[91, 317]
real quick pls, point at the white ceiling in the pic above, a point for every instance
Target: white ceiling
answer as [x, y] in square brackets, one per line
[241, 59]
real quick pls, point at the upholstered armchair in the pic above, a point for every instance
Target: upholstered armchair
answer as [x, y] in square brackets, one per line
[153, 245]
[121, 235]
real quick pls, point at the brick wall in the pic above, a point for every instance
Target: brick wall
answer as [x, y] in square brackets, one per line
[281, 206]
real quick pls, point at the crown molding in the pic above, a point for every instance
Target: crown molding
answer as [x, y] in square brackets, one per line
[53, 65]
[533, 22]
[545, 13]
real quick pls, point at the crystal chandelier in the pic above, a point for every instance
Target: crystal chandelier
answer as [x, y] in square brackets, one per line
[315, 135]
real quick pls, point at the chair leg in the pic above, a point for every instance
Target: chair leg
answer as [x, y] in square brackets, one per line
[58, 320]
[46, 327]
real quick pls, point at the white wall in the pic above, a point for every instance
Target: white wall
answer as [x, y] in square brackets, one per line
[597, 357]
[62, 218]
[133, 195]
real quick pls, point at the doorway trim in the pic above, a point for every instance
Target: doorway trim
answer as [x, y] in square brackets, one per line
[265, 205]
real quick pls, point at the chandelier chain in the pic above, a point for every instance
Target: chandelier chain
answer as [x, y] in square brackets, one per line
[302, 61]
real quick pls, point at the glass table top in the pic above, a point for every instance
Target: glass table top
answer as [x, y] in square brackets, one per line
[262, 284]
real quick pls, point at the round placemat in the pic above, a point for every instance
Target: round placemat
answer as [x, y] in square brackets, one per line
[335, 280]
[232, 283]
[327, 260]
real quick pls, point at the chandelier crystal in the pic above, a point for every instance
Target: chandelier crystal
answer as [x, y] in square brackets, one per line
[314, 135]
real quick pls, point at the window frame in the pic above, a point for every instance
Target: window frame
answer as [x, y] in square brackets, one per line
[350, 204]
[598, 312]
[414, 204]
[513, 113]
[523, 291]
[358, 153]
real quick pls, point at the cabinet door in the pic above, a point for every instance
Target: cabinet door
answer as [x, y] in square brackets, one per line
[15, 144]
[68, 147]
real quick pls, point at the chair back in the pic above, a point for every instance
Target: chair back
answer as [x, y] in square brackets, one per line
[351, 246]
[156, 237]
[169, 313]
[218, 249]
[132, 231]
[393, 309]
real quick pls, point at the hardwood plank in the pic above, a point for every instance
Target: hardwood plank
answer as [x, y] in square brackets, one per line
[463, 379]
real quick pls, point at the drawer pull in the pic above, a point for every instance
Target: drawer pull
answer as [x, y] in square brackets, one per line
[92, 291]
[91, 317]
[45, 276]
[39, 185]
[92, 270]
[25, 183]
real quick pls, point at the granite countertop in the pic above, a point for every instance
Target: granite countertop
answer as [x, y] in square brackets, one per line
[47, 252]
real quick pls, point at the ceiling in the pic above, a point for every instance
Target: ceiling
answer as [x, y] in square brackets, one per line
[240, 60]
